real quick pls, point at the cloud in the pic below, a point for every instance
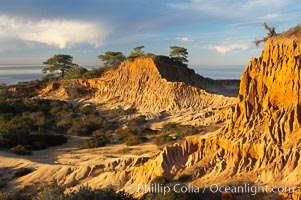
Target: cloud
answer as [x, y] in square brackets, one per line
[270, 16]
[184, 39]
[59, 33]
[232, 9]
[228, 46]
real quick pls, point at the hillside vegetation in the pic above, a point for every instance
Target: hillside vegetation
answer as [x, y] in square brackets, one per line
[32, 124]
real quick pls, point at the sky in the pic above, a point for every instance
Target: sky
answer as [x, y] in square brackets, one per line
[215, 32]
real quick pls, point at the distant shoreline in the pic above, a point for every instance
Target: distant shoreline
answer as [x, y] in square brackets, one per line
[12, 74]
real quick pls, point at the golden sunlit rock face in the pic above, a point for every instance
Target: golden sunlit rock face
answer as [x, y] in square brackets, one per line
[270, 90]
[261, 142]
[145, 83]
[266, 121]
[152, 85]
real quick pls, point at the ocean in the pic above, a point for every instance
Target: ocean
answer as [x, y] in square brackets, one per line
[12, 74]
[220, 72]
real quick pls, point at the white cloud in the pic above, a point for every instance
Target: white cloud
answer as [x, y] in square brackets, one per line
[184, 39]
[227, 47]
[270, 16]
[232, 8]
[59, 33]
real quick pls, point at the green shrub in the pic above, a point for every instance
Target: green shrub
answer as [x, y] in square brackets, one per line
[21, 150]
[179, 131]
[5, 195]
[149, 131]
[99, 132]
[22, 172]
[3, 91]
[86, 192]
[125, 132]
[3, 184]
[39, 145]
[172, 195]
[185, 178]
[48, 140]
[32, 122]
[34, 141]
[86, 124]
[129, 111]
[94, 73]
[96, 141]
[132, 140]
[185, 130]
[12, 196]
[160, 180]
[49, 77]
[169, 127]
[53, 191]
[163, 139]
[12, 135]
[140, 120]
[75, 72]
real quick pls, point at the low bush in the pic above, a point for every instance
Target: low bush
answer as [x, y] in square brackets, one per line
[3, 183]
[9, 139]
[53, 191]
[149, 131]
[75, 72]
[176, 195]
[163, 139]
[95, 141]
[39, 145]
[32, 122]
[173, 131]
[93, 73]
[44, 140]
[132, 140]
[86, 124]
[5, 195]
[85, 192]
[96, 72]
[185, 178]
[169, 127]
[160, 180]
[12, 196]
[49, 77]
[21, 150]
[125, 132]
[139, 120]
[3, 91]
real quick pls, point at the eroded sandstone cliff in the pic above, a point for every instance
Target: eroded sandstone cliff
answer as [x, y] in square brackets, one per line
[261, 142]
[150, 84]
[145, 83]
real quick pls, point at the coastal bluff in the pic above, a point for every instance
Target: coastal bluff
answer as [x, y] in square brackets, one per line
[151, 84]
[258, 145]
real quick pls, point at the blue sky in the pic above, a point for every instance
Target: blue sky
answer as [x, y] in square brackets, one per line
[215, 32]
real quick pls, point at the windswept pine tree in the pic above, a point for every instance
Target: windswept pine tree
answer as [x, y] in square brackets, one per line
[59, 62]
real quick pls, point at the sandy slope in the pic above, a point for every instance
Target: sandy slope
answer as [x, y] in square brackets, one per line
[67, 163]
